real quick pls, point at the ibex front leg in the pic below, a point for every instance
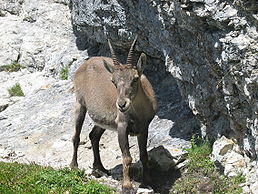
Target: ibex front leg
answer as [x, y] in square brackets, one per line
[127, 159]
[142, 142]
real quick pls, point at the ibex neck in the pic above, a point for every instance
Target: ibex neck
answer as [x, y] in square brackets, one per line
[140, 99]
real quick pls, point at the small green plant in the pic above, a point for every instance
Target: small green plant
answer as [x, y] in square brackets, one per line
[64, 73]
[13, 67]
[198, 156]
[93, 187]
[201, 176]
[229, 185]
[22, 178]
[16, 90]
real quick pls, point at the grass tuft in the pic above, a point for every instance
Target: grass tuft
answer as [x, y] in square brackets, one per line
[93, 187]
[64, 73]
[198, 156]
[201, 176]
[16, 90]
[22, 178]
[13, 67]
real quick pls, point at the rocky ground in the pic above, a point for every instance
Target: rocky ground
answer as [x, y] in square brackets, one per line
[38, 127]
[202, 58]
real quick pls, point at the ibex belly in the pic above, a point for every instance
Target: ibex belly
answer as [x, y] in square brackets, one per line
[104, 126]
[105, 121]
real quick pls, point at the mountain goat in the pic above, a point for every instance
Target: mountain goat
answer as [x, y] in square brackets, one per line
[117, 97]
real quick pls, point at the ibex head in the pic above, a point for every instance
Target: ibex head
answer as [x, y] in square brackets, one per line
[126, 78]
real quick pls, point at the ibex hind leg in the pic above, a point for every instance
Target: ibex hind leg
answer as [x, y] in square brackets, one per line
[95, 136]
[80, 112]
[129, 191]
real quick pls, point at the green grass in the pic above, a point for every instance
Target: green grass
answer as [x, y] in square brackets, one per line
[64, 73]
[22, 178]
[198, 156]
[201, 176]
[16, 90]
[13, 67]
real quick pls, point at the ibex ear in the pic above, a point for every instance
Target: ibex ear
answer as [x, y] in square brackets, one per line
[141, 63]
[108, 66]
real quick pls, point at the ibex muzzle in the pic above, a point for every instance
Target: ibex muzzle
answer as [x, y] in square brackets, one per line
[117, 97]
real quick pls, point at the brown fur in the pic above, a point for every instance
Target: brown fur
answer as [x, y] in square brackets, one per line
[126, 105]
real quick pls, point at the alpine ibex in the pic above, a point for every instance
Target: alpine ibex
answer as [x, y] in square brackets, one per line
[117, 97]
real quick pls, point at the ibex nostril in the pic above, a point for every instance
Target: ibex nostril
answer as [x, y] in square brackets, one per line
[122, 104]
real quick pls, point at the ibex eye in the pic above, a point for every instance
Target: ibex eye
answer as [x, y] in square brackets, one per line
[112, 81]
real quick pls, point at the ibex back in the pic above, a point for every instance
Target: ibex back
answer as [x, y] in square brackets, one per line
[117, 97]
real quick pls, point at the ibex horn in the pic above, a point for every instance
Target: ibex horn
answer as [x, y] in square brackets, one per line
[112, 53]
[130, 54]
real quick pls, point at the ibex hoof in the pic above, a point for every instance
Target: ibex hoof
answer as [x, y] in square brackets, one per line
[74, 165]
[99, 173]
[107, 172]
[146, 183]
[130, 190]
[101, 169]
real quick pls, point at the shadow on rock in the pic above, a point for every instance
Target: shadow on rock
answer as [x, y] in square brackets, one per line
[163, 171]
[173, 107]
[174, 119]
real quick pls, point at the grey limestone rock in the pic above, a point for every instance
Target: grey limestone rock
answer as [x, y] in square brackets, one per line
[209, 46]
[202, 57]
[37, 34]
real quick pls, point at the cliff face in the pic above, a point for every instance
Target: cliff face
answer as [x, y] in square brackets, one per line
[209, 46]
